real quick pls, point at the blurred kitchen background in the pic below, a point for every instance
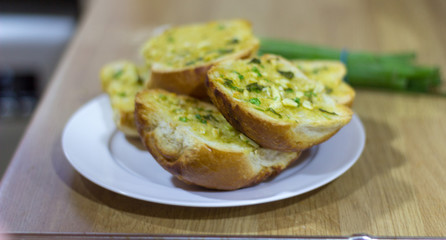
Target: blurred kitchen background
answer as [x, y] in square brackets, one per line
[33, 37]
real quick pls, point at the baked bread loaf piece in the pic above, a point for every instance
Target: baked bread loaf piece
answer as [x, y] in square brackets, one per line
[272, 102]
[121, 80]
[330, 73]
[180, 57]
[193, 141]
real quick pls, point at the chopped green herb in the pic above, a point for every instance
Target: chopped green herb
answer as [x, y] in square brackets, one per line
[310, 94]
[200, 118]
[183, 119]
[240, 76]
[210, 117]
[328, 90]
[325, 111]
[170, 39]
[189, 63]
[140, 81]
[274, 111]
[118, 73]
[191, 100]
[163, 97]
[221, 27]
[234, 41]
[260, 109]
[256, 70]
[122, 94]
[317, 70]
[287, 74]
[255, 60]
[289, 90]
[229, 83]
[255, 101]
[225, 50]
[297, 100]
[254, 87]
[200, 109]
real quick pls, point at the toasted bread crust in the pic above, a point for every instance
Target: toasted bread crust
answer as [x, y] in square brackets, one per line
[208, 167]
[198, 162]
[190, 81]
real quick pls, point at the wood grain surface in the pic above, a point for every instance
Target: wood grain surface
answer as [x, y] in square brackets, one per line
[397, 187]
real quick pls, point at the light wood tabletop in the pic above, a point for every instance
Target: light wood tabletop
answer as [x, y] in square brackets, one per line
[396, 188]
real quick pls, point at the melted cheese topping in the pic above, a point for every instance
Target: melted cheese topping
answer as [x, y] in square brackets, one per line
[203, 119]
[193, 45]
[274, 86]
[122, 80]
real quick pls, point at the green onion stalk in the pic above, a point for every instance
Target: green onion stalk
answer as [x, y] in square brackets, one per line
[395, 71]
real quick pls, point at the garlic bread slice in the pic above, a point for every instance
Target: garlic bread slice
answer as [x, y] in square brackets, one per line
[193, 141]
[181, 56]
[331, 74]
[121, 80]
[272, 102]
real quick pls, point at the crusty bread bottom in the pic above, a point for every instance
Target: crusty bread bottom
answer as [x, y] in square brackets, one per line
[198, 163]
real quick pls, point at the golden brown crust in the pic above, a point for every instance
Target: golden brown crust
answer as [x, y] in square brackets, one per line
[208, 167]
[190, 81]
[199, 163]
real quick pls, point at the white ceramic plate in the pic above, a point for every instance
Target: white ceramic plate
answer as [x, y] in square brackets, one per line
[101, 153]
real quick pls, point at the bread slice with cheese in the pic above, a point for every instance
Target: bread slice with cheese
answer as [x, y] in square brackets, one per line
[272, 102]
[331, 74]
[193, 141]
[180, 57]
[121, 80]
